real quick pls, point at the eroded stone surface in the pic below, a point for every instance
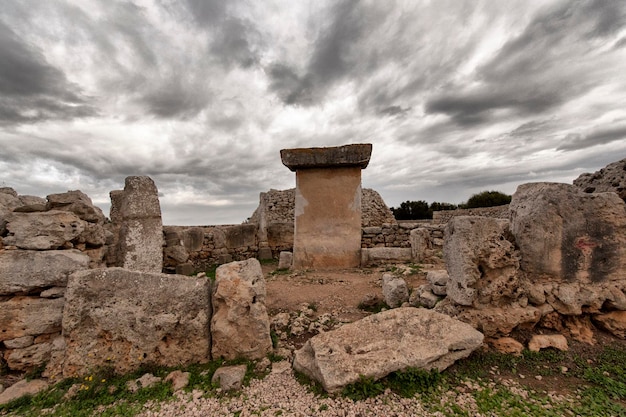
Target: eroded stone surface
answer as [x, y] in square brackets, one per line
[30, 316]
[240, 324]
[43, 231]
[383, 343]
[121, 318]
[611, 178]
[21, 388]
[355, 155]
[395, 290]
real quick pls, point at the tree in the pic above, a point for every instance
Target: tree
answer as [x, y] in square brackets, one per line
[488, 199]
[411, 210]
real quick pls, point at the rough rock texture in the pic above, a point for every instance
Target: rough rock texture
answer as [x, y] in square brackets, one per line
[229, 377]
[383, 343]
[543, 341]
[438, 279]
[34, 356]
[395, 290]
[30, 316]
[330, 157]
[423, 296]
[566, 235]
[285, 260]
[178, 378]
[376, 256]
[240, 326]
[31, 271]
[611, 178]
[507, 345]
[21, 388]
[43, 231]
[482, 261]
[78, 203]
[141, 230]
[614, 322]
[120, 318]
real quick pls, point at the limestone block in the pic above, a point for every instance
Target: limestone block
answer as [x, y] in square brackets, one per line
[395, 290]
[193, 239]
[21, 388]
[499, 321]
[423, 296]
[19, 343]
[240, 326]
[179, 379]
[30, 357]
[121, 318]
[240, 236]
[94, 235]
[78, 203]
[229, 377]
[383, 343]
[30, 316]
[355, 155]
[381, 255]
[8, 190]
[611, 178]
[613, 322]
[420, 244]
[565, 234]
[43, 231]
[29, 271]
[438, 280]
[141, 245]
[481, 261]
[543, 341]
[507, 345]
[141, 199]
[285, 260]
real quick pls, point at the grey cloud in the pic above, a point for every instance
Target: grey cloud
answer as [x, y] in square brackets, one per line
[175, 97]
[574, 141]
[395, 111]
[236, 43]
[207, 11]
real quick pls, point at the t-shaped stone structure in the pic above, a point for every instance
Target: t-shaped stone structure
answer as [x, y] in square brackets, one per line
[327, 230]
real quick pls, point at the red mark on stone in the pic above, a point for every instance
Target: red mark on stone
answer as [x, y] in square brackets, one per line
[585, 243]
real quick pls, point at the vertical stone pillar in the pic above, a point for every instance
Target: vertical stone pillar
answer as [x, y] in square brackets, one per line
[137, 208]
[327, 230]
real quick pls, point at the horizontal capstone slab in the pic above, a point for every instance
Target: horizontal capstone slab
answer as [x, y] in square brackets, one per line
[355, 155]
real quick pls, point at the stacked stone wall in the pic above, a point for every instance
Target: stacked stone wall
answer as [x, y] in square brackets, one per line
[497, 212]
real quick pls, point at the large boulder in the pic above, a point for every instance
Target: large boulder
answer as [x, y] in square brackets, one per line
[78, 203]
[395, 290]
[43, 231]
[31, 271]
[383, 343]
[482, 261]
[611, 178]
[566, 235]
[240, 326]
[121, 318]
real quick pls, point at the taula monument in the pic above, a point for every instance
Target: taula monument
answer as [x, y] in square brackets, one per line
[327, 229]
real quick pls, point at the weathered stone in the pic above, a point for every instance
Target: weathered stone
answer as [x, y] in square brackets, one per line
[174, 255]
[240, 235]
[543, 341]
[580, 329]
[380, 255]
[8, 190]
[383, 343]
[179, 379]
[240, 324]
[29, 271]
[28, 358]
[507, 345]
[482, 262]
[569, 299]
[564, 234]
[120, 318]
[613, 322]
[229, 378]
[611, 178]
[141, 199]
[78, 203]
[185, 269]
[94, 235]
[193, 239]
[21, 388]
[265, 253]
[497, 321]
[355, 155]
[423, 296]
[30, 316]
[146, 381]
[43, 231]
[285, 260]
[395, 290]
[420, 244]
[19, 343]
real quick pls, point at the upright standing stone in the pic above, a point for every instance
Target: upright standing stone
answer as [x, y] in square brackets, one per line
[140, 246]
[327, 232]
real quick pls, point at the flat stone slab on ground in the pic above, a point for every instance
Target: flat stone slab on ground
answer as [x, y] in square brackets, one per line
[383, 343]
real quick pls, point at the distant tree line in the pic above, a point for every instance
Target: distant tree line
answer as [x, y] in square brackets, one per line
[415, 210]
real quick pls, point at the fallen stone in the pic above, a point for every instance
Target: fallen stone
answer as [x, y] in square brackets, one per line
[383, 343]
[78, 203]
[229, 377]
[285, 260]
[29, 271]
[395, 290]
[21, 388]
[43, 231]
[146, 381]
[438, 277]
[179, 379]
[240, 325]
[121, 318]
[482, 262]
[507, 345]
[613, 322]
[423, 296]
[544, 341]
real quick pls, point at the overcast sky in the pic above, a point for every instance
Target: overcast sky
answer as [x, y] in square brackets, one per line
[456, 96]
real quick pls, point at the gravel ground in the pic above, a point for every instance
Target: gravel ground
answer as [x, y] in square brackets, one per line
[279, 394]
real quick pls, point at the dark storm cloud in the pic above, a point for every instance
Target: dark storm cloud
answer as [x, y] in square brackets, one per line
[175, 98]
[235, 43]
[527, 75]
[30, 88]
[574, 142]
[207, 11]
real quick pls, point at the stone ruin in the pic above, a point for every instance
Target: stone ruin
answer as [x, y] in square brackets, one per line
[79, 291]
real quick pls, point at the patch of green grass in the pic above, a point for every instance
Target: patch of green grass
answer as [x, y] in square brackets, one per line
[268, 261]
[373, 308]
[210, 272]
[414, 268]
[411, 381]
[313, 386]
[285, 271]
[364, 388]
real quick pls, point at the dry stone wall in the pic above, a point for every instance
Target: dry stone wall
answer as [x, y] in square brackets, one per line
[497, 212]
